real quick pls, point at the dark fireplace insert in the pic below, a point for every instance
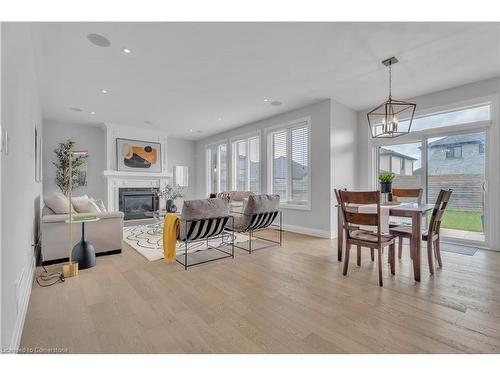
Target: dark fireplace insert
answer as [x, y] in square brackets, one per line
[137, 203]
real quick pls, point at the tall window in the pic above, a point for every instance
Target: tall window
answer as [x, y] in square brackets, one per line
[246, 165]
[217, 168]
[289, 164]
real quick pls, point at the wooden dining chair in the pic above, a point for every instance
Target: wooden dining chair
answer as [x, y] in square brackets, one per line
[409, 195]
[361, 237]
[431, 235]
[415, 195]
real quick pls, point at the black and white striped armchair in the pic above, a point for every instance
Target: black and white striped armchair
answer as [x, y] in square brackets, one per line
[261, 212]
[205, 221]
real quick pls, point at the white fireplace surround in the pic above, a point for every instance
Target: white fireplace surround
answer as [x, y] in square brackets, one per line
[119, 179]
[116, 180]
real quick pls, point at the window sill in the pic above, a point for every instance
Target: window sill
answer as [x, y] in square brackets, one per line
[299, 207]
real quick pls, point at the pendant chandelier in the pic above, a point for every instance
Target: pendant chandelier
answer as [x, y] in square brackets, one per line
[393, 117]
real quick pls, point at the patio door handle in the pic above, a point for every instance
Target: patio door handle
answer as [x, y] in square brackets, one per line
[484, 186]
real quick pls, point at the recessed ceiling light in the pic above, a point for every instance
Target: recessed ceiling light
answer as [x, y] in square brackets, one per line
[98, 40]
[220, 118]
[92, 112]
[76, 109]
[191, 130]
[276, 103]
[267, 100]
[104, 91]
[126, 50]
[148, 122]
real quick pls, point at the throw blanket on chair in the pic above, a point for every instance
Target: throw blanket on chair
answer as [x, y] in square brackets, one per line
[170, 234]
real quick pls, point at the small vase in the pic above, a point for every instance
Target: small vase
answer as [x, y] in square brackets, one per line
[385, 186]
[171, 207]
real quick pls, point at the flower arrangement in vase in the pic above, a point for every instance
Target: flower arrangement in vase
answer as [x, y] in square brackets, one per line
[170, 194]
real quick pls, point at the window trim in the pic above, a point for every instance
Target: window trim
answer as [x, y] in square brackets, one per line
[289, 126]
[245, 137]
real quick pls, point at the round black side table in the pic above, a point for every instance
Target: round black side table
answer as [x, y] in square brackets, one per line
[83, 252]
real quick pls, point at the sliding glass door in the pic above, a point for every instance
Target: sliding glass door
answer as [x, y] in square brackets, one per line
[453, 160]
[458, 162]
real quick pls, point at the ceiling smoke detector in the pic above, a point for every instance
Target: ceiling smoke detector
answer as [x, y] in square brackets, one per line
[98, 40]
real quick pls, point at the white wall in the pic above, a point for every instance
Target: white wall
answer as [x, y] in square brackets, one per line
[344, 154]
[317, 221]
[90, 138]
[182, 152]
[20, 194]
[488, 89]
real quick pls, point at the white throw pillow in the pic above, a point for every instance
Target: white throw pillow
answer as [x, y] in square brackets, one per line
[85, 205]
[100, 204]
[57, 202]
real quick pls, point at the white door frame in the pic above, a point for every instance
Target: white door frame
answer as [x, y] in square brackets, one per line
[492, 143]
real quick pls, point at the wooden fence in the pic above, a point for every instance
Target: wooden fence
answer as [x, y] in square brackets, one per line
[467, 189]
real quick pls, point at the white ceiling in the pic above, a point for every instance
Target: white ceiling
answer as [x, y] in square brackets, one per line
[184, 76]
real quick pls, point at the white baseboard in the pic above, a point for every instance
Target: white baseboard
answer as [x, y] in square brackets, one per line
[309, 231]
[23, 294]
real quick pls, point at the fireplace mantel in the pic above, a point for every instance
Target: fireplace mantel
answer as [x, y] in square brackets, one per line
[110, 173]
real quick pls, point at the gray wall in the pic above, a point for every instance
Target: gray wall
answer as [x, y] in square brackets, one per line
[317, 220]
[90, 138]
[183, 152]
[344, 140]
[20, 193]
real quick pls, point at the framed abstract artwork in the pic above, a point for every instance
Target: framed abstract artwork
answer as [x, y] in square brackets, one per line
[134, 156]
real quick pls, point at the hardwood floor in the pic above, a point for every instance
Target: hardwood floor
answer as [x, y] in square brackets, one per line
[292, 299]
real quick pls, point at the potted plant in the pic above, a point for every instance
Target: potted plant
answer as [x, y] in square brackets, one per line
[385, 180]
[78, 163]
[170, 193]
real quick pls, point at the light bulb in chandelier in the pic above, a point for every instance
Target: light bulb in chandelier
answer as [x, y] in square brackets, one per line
[392, 125]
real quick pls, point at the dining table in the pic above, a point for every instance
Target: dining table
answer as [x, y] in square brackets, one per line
[416, 212]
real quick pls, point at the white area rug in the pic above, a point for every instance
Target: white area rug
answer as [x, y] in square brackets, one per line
[150, 245]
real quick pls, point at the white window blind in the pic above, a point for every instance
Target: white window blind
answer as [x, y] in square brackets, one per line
[300, 164]
[290, 164]
[217, 169]
[280, 164]
[222, 167]
[246, 165]
[254, 164]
